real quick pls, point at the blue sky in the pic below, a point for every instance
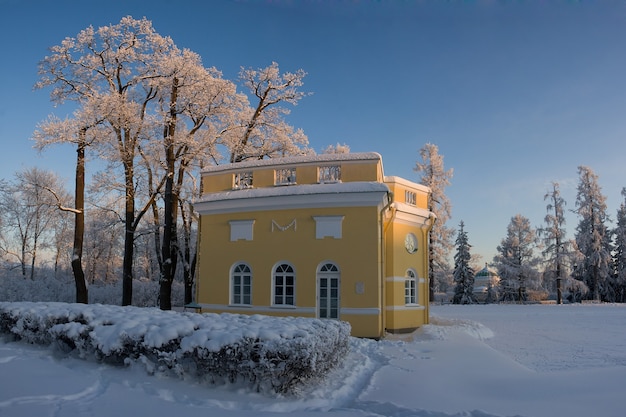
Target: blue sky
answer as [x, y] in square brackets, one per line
[516, 94]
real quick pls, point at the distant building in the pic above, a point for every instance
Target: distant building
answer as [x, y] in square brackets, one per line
[486, 283]
[326, 236]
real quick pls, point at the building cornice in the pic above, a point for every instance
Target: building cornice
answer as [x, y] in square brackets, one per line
[353, 194]
[406, 183]
[407, 213]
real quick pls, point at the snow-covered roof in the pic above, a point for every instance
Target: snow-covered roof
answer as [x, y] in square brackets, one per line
[293, 160]
[407, 183]
[486, 272]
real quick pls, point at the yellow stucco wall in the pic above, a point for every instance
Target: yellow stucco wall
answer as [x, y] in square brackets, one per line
[356, 254]
[370, 255]
[216, 183]
[399, 186]
[264, 178]
[361, 172]
[305, 174]
[401, 317]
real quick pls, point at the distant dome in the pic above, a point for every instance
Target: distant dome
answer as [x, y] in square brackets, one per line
[485, 279]
[486, 272]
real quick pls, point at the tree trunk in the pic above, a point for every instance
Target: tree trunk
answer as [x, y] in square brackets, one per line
[157, 235]
[129, 239]
[189, 260]
[169, 249]
[595, 281]
[23, 259]
[82, 295]
[189, 278]
[127, 266]
[32, 260]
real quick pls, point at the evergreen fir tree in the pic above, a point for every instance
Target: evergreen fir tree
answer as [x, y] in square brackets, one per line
[516, 261]
[620, 252]
[593, 239]
[556, 245]
[463, 272]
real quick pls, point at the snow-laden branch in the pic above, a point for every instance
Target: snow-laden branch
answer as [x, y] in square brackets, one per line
[59, 204]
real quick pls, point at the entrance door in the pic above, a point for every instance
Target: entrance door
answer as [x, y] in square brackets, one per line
[328, 291]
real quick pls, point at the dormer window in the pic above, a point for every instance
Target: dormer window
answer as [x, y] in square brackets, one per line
[330, 173]
[410, 197]
[242, 180]
[285, 176]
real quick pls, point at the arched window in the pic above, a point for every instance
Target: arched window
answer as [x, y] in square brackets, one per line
[328, 278]
[410, 288]
[284, 287]
[241, 284]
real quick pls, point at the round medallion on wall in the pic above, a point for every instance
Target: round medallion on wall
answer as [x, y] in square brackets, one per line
[410, 243]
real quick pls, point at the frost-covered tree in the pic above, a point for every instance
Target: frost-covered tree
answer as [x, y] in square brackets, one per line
[593, 238]
[193, 104]
[260, 129]
[163, 115]
[435, 176]
[620, 252]
[201, 111]
[28, 212]
[463, 273]
[515, 260]
[114, 66]
[104, 242]
[337, 148]
[81, 131]
[556, 246]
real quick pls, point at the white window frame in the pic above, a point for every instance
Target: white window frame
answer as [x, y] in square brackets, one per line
[410, 288]
[283, 285]
[329, 271]
[238, 274]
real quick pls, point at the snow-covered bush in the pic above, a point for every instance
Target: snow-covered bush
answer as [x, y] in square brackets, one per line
[266, 353]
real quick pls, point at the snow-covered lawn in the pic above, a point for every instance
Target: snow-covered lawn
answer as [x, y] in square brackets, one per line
[488, 360]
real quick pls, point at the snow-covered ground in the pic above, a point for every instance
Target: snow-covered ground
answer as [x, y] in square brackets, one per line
[478, 361]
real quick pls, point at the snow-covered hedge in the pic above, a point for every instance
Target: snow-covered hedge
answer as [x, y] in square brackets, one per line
[267, 353]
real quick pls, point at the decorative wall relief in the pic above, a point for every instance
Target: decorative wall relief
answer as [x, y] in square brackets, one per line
[276, 226]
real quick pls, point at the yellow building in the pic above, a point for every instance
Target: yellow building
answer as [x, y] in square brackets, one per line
[325, 236]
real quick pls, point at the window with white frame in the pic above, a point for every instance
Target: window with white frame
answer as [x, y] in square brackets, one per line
[328, 291]
[242, 180]
[410, 288]
[284, 278]
[285, 176]
[410, 197]
[329, 173]
[241, 285]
